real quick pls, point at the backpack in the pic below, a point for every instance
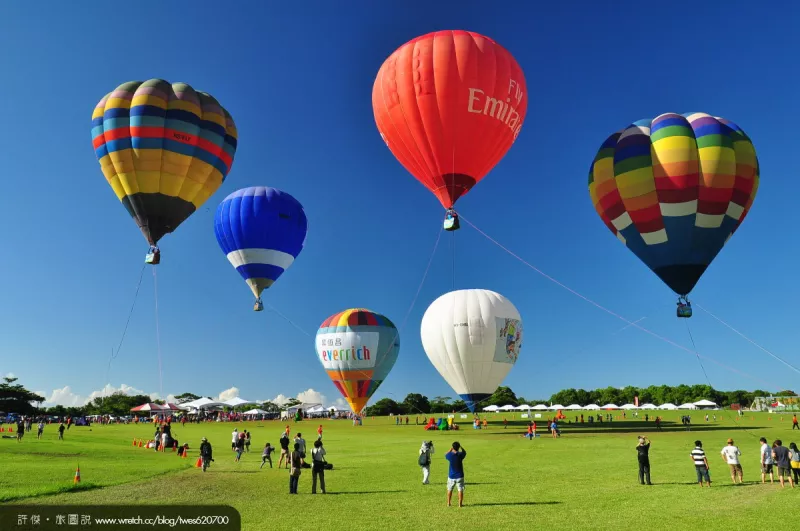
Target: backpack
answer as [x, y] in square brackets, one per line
[423, 459]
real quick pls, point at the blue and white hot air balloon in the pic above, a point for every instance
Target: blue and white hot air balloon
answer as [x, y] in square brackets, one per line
[261, 230]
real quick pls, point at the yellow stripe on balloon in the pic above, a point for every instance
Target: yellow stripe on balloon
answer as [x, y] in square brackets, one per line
[636, 182]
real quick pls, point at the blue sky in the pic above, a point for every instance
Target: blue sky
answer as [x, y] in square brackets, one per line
[298, 82]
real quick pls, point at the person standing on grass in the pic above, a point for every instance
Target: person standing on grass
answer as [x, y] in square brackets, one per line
[239, 447]
[424, 460]
[766, 462]
[700, 463]
[319, 433]
[794, 422]
[731, 455]
[643, 455]
[317, 467]
[302, 442]
[247, 441]
[40, 429]
[284, 442]
[295, 470]
[20, 430]
[234, 438]
[266, 455]
[794, 461]
[781, 455]
[61, 432]
[455, 477]
[205, 453]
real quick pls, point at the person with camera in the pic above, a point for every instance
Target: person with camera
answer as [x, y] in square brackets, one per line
[425, 453]
[643, 455]
[455, 477]
[318, 467]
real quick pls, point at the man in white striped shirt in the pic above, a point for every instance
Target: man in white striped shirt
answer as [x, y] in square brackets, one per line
[700, 463]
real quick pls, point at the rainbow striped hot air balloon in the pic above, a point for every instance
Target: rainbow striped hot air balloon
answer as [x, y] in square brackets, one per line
[164, 149]
[674, 190]
[357, 348]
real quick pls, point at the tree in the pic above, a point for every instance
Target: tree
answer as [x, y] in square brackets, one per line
[270, 407]
[501, 396]
[786, 393]
[186, 397]
[291, 402]
[117, 404]
[14, 398]
[415, 403]
[440, 404]
[383, 407]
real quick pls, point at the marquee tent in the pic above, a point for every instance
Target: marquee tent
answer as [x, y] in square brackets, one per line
[148, 408]
[539, 407]
[491, 408]
[705, 403]
[574, 407]
[507, 407]
[668, 405]
[647, 406]
[255, 412]
[627, 406]
[687, 405]
[203, 403]
[236, 402]
[556, 407]
[591, 407]
[609, 406]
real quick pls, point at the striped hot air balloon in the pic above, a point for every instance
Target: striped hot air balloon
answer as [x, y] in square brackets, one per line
[261, 230]
[164, 150]
[357, 348]
[674, 190]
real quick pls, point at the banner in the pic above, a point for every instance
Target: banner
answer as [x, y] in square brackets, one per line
[508, 341]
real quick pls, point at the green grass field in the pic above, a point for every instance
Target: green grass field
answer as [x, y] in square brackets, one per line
[587, 479]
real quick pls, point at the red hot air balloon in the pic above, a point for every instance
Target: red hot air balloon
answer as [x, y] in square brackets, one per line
[449, 105]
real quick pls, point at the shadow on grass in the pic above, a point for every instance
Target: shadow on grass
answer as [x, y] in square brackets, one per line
[51, 492]
[497, 504]
[366, 492]
[624, 427]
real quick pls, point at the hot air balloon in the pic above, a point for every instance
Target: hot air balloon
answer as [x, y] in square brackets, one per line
[357, 348]
[674, 190]
[261, 230]
[473, 338]
[164, 149]
[449, 105]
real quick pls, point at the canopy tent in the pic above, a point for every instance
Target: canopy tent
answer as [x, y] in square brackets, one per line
[147, 408]
[574, 407]
[687, 405]
[647, 406]
[668, 405]
[609, 406]
[539, 407]
[316, 409]
[172, 407]
[491, 408]
[305, 407]
[705, 403]
[523, 407]
[592, 407]
[203, 403]
[627, 406]
[507, 407]
[236, 402]
[335, 409]
[255, 411]
[555, 407]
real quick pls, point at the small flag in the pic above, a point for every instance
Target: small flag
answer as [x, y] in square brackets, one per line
[77, 478]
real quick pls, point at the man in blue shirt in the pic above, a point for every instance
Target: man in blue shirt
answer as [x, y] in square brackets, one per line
[455, 478]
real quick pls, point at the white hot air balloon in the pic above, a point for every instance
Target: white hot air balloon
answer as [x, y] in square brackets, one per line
[473, 338]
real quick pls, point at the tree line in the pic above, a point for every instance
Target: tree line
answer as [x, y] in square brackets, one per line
[14, 398]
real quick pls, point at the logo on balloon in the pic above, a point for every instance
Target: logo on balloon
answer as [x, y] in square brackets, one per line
[348, 350]
[509, 340]
[497, 108]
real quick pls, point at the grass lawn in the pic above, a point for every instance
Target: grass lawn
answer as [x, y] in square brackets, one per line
[587, 479]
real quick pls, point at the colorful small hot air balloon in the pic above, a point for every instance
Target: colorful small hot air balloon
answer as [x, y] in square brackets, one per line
[473, 337]
[357, 348]
[674, 190]
[164, 149]
[449, 105]
[261, 230]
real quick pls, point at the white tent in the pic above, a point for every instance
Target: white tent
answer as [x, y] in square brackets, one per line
[236, 402]
[705, 403]
[574, 407]
[203, 403]
[609, 406]
[627, 406]
[315, 409]
[555, 407]
[254, 412]
[591, 407]
[491, 408]
[668, 405]
[523, 407]
[687, 405]
[647, 406]
[507, 407]
[539, 407]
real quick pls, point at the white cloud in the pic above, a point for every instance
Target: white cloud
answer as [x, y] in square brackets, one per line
[66, 397]
[309, 396]
[280, 400]
[9, 375]
[227, 394]
[340, 403]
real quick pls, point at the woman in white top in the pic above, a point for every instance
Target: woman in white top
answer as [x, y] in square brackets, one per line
[318, 467]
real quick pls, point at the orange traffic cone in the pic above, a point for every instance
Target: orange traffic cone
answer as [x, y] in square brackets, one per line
[2, 430]
[199, 463]
[10, 429]
[77, 476]
[174, 446]
[183, 454]
[134, 442]
[140, 443]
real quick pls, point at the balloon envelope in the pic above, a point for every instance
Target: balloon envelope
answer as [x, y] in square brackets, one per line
[674, 189]
[164, 149]
[261, 230]
[473, 337]
[449, 105]
[357, 348]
